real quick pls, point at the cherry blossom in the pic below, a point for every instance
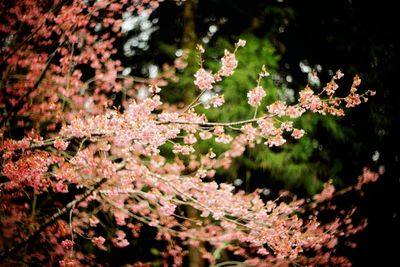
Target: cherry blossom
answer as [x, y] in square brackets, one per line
[217, 101]
[140, 163]
[229, 64]
[204, 80]
[297, 134]
[277, 108]
[255, 96]
[241, 43]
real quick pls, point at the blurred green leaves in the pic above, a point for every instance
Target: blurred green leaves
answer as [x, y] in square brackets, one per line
[299, 164]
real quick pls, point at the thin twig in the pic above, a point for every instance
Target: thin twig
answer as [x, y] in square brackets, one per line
[33, 88]
[30, 36]
[193, 102]
[6, 253]
[214, 123]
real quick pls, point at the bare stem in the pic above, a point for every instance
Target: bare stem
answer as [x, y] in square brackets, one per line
[29, 238]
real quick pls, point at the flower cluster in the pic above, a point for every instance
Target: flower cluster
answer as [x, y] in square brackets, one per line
[141, 163]
[229, 64]
[367, 177]
[255, 96]
[204, 79]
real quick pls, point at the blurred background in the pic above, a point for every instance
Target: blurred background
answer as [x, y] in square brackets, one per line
[293, 39]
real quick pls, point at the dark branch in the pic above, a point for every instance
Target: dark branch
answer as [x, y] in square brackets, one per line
[20, 102]
[50, 221]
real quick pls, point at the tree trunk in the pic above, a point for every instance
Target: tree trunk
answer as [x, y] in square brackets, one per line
[189, 41]
[195, 258]
[189, 36]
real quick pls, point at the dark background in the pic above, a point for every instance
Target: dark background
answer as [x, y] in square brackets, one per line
[361, 37]
[356, 36]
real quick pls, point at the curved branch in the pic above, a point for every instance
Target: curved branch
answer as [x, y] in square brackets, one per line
[6, 253]
[20, 102]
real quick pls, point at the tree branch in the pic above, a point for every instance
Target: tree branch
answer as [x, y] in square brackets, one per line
[50, 221]
[20, 102]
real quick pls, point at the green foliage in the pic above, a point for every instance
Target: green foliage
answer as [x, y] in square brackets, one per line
[256, 53]
[300, 164]
[290, 163]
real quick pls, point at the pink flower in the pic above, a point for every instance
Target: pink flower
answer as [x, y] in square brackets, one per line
[67, 244]
[189, 139]
[120, 217]
[367, 177]
[68, 262]
[218, 129]
[223, 139]
[297, 134]
[205, 135]
[262, 251]
[229, 64]
[184, 150]
[61, 144]
[93, 221]
[287, 126]
[277, 108]
[255, 96]
[120, 240]
[98, 242]
[306, 93]
[352, 100]
[294, 112]
[331, 87]
[241, 43]
[204, 79]
[356, 81]
[310, 101]
[167, 208]
[326, 194]
[277, 140]
[268, 128]
[338, 75]
[29, 170]
[217, 101]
